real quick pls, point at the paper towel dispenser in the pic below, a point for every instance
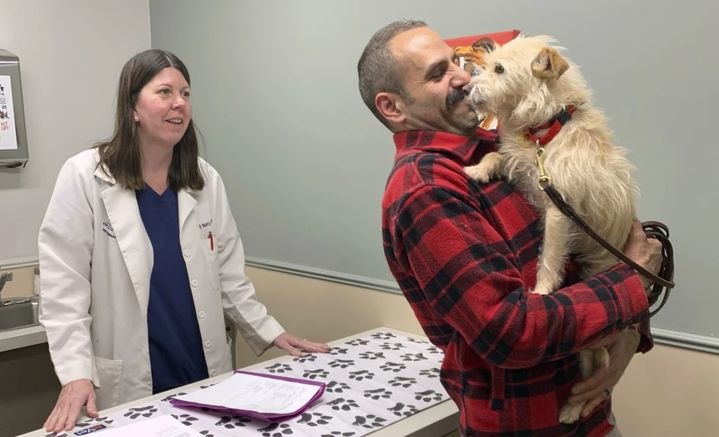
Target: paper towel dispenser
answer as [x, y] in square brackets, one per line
[13, 141]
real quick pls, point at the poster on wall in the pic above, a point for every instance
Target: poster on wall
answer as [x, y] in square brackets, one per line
[8, 137]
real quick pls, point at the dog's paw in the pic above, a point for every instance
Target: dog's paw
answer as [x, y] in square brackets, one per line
[478, 172]
[541, 289]
[570, 412]
[487, 168]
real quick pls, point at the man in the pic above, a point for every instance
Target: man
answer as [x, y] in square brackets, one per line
[465, 255]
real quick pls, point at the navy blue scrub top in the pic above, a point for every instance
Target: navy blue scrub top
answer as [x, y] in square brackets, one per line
[176, 354]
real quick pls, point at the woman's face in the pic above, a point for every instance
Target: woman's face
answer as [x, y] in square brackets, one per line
[163, 110]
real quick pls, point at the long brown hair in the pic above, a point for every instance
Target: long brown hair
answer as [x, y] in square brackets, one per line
[121, 154]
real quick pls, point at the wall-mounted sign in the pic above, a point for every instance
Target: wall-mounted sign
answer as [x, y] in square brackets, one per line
[8, 135]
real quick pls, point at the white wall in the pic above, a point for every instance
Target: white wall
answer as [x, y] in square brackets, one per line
[71, 53]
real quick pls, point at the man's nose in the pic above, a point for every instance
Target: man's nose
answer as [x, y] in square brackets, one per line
[460, 78]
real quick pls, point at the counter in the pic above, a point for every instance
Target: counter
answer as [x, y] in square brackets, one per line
[22, 337]
[383, 381]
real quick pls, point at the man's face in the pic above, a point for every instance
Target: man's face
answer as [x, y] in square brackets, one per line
[433, 98]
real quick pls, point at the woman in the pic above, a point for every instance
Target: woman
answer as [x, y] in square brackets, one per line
[140, 257]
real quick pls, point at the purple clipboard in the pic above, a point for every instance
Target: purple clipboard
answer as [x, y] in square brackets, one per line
[266, 417]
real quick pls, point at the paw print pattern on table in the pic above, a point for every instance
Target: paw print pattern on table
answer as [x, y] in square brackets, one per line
[393, 367]
[378, 393]
[401, 409]
[314, 419]
[342, 364]
[279, 368]
[370, 355]
[276, 430]
[105, 420]
[371, 382]
[359, 375]
[308, 358]
[369, 421]
[232, 422]
[383, 336]
[430, 373]
[428, 396]
[391, 346]
[314, 374]
[185, 419]
[403, 381]
[168, 397]
[358, 342]
[413, 357]
[134, 413]
[336, 387]
[343, 404]
[433, 350]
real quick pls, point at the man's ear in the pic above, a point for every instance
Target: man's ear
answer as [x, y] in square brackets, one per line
[549, 64]
[391, 106]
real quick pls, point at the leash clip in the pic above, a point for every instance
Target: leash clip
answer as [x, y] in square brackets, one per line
[544, 179]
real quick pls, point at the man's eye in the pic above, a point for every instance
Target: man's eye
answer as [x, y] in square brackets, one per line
[438, 75]
[498, 68]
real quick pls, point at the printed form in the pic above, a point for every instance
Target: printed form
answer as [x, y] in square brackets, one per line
[255, 393]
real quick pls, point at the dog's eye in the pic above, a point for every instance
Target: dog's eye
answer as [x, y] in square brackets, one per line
[498, 68]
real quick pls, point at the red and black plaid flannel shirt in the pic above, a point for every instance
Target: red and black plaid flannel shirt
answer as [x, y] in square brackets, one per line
[464, 255]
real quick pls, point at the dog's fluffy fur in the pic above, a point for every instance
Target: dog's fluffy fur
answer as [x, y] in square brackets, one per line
[526, 82]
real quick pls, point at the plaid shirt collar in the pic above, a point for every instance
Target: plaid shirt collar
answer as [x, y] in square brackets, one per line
[460, 148]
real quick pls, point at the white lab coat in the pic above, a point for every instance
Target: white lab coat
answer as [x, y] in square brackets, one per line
[95, 266]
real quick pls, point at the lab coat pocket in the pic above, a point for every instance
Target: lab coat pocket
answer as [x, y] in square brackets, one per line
[109, 373]
[211, 257]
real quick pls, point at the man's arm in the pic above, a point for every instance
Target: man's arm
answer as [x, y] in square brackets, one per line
[466, 274]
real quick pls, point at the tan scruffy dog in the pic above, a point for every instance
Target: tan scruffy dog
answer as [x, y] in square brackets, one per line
[543, 101]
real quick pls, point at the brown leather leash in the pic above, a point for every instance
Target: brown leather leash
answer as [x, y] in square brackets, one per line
[662, 283]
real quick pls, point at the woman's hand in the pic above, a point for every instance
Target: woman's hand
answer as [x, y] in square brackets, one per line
[295, 346]
[72, 397]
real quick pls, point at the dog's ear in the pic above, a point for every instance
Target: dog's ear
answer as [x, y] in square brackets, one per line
[549, 64]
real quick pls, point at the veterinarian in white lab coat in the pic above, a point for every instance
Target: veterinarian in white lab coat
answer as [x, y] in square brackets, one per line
[113, 301]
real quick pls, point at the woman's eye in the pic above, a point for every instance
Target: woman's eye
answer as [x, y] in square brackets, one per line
[498, 68]
[164, 91]
[186, 94]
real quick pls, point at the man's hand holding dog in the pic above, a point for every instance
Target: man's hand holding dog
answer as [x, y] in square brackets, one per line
[597, 388]
[647, 252]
